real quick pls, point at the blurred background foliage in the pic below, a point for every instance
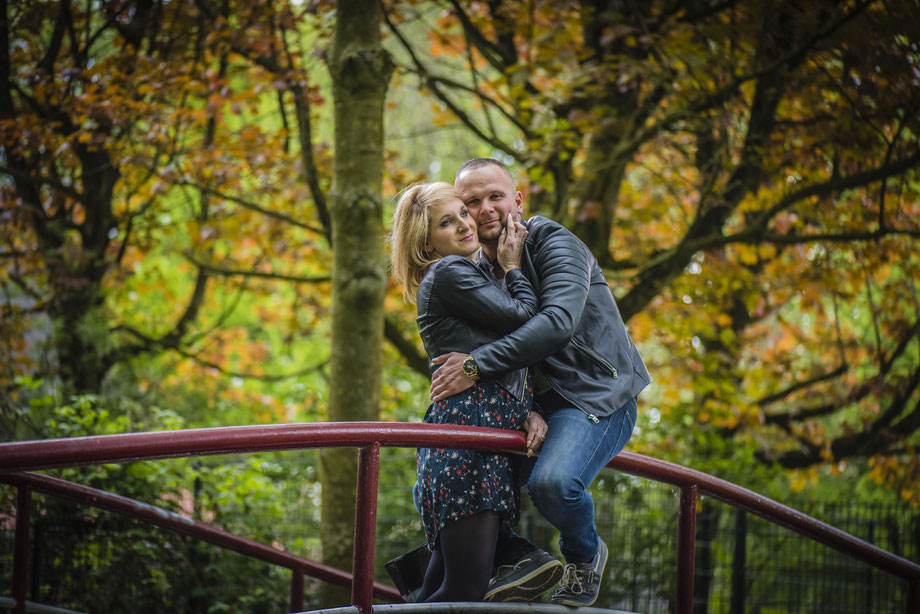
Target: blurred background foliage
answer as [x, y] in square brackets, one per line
[745, 173]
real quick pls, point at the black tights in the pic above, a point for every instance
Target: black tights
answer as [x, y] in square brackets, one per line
[460, 569]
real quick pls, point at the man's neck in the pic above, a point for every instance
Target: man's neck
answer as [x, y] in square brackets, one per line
[489, 251]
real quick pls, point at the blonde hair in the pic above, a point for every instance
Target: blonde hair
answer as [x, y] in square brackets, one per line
[409, 235]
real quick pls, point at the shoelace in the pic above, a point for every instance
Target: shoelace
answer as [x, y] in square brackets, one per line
[571, 579]
[507, 568]
[520, 563]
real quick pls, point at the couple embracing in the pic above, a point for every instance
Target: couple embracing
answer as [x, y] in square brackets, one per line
[523, 333]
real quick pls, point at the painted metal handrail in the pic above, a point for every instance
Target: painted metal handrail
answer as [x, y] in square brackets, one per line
[369, 436]
[127, 447]
[8, 603]
[159, 517]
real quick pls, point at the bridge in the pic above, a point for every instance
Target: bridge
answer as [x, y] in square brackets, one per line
[19, 461]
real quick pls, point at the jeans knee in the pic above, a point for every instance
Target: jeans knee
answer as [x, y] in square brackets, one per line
[552, 488]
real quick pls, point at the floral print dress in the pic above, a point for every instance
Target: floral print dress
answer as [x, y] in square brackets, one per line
[455, 483]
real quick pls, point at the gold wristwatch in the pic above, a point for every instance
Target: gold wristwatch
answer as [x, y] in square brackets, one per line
[470, 369]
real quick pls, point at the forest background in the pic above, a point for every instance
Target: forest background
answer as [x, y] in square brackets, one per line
[195, 200]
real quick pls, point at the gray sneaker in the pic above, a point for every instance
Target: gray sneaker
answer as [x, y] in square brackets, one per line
[581, 582]
[531, 576]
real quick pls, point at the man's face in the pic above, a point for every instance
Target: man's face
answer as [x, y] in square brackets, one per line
[489, 194]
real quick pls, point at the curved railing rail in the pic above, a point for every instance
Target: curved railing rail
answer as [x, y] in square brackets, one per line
[370, 436]
[165, 519]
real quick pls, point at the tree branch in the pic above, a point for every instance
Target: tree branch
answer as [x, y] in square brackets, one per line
[756, 231]
[875, 437]
[785, 419]
[150, 343]
[57, 37]
[227, 272]
[838, 184]
[494, 55]
[42, 180]
[23, 286]
[415, 359]
[487, 100]
[251, 205]
[302, 107]
[433, 84]
[710, 100]
[844, 237]
[909, 423]
[255, 376]
[817, 379]
[305, 134]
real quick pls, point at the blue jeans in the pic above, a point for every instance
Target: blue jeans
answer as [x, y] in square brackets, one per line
[574, 452]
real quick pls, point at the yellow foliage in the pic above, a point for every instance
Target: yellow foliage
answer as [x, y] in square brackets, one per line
[747, 254]
[801, 478]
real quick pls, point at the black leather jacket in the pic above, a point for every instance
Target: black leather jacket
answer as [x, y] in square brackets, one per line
[460, 308]
[578, 337]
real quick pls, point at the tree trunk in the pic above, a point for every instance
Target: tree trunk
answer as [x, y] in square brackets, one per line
[360, 69]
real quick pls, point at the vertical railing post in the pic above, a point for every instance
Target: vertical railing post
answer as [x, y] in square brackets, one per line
[296, 589]
[870, 597]
[21, 548]
[362, 584]
[739, 563]
[913, 596]
[686, 547]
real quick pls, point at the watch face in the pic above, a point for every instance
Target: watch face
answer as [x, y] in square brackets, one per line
[469, 366]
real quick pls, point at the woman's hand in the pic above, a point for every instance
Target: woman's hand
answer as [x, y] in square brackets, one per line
[511, 245]
[536, 428]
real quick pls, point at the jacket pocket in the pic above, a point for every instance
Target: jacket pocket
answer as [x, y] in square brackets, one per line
[597, 357]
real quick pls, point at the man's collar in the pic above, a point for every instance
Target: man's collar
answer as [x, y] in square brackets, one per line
[483, 256]
[487, 264]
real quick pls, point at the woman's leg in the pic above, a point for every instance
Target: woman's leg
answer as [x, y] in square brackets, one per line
[434, 576]
[467, 549]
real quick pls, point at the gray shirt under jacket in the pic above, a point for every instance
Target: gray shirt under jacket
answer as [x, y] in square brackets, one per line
[460, 309]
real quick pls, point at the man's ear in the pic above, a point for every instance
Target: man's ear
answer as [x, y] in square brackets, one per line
[519, 203]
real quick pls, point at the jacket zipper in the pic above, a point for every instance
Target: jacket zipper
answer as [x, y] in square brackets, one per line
[591, 416]
[596, 357]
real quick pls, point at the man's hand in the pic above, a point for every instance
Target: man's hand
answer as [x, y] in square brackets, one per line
[449, 379]
[536, 428]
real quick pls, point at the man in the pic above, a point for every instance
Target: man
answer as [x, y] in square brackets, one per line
[587, 373]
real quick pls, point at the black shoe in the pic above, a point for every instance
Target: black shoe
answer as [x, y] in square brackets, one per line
[413, 596]
[581, 582]
[531, 576]
[408, 571]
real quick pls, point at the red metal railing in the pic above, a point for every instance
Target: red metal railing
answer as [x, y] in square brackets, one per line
[29, 482]
[369, 436]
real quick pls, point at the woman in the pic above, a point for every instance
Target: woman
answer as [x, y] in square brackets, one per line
[463, 495]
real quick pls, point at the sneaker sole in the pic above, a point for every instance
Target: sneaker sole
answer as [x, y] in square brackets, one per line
[531, 586]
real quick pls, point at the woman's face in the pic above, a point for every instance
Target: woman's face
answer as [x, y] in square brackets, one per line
[452, 230]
